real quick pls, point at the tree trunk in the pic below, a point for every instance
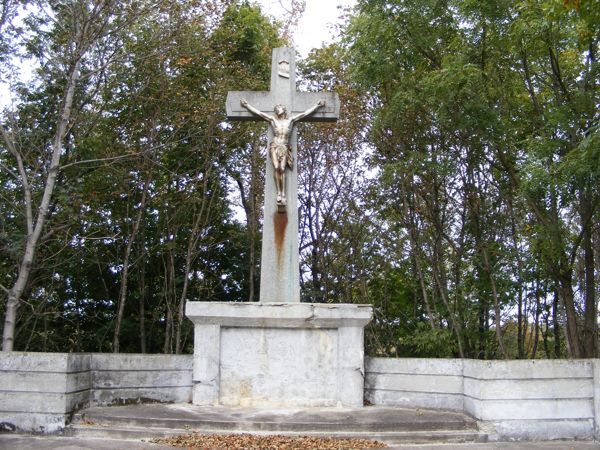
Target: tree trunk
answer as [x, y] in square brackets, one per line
[452, 320]
[590, 325]
[536, 325]
[520, 337]
[125, 272]
[521, 321]
[170, 298]
[15, 293]
[142, 305]
[413, 235]
[545, 337]
[487, 269]
[556, 325]
[482, 328]
[200, 222]
[565, 291]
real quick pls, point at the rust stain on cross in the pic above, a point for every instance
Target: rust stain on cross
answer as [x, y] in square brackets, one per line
[280, 221]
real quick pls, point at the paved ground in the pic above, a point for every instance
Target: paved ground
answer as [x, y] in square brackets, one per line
[26, 442]
[562, 445]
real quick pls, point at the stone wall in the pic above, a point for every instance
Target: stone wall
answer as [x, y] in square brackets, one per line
[415, 382]
[533, 399]
[40, 391]
[125, 378]
[529, 399]
[538, 399]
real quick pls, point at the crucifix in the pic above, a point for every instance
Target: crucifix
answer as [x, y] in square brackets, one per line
[279, 277]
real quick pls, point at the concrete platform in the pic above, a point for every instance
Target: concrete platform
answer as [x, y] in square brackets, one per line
[367, 419]
[132, 426]
[388, 424]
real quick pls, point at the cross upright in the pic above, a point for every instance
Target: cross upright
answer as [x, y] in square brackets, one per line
[279, 276]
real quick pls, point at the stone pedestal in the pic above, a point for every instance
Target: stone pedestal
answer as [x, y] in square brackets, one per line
[278, 354]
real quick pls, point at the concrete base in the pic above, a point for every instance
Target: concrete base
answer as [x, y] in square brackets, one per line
[278, 354]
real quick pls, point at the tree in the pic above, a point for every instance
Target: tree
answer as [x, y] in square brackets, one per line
[478, 112]
[79, 44]
[139, 220]
[330, 166]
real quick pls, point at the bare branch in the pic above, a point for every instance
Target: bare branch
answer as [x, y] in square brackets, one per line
[111, 158]
[22, 176]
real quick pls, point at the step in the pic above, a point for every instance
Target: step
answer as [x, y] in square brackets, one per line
[368, 419]
[390, 437]
[392, 425]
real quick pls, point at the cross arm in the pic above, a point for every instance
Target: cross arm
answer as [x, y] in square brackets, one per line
[265, 101]
[304, 101]
[260, 100]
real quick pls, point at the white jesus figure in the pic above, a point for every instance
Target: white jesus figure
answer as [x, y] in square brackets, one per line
[280, 149]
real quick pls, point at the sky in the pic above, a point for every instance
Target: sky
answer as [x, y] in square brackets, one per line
[315, 26]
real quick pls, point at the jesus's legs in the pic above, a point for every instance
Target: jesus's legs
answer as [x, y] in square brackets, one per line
[278, 158]
[280, 183]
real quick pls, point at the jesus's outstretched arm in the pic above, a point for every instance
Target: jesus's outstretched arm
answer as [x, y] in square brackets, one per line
[308, 112]
[255, 111]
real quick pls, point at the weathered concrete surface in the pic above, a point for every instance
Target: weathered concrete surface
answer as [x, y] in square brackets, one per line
[279, 367]
[278, 315]
[124, 378]
[543, 445]
[106, 427]
[23, 442]
[300, 420]
[596, 381]
[278, 354]
[512, 400]
[415, 382]
[522, 400]
[382, 423]
[395, 426]
[531, 399]
[40, 391]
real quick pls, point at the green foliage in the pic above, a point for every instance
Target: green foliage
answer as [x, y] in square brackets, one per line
[435, 343]
[246, 36]
[484, 138]
[458, 192]
[143, 184]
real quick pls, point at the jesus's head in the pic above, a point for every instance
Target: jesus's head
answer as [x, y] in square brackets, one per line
[280, 111]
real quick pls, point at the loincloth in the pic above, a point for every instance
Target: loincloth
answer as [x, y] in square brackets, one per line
[281, 154]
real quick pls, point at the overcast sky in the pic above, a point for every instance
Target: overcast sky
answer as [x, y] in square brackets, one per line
[315, 27]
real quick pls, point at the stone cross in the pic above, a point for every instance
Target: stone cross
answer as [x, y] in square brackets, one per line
[279, 277]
